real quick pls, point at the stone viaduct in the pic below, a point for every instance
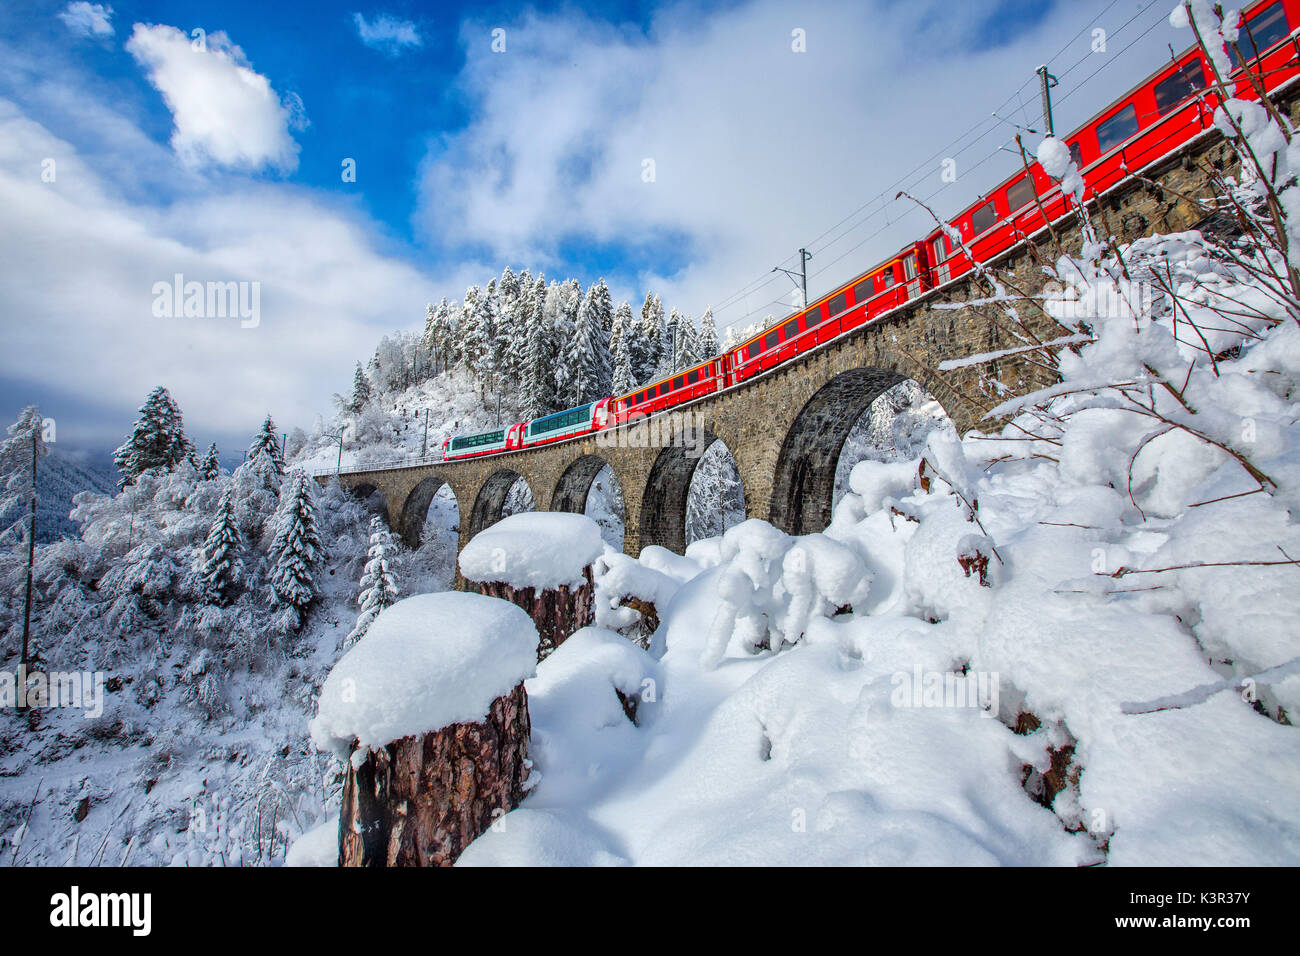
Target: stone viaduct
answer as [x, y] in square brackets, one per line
[786, 427]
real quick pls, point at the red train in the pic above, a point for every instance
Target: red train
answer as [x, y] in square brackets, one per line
[1155, 118]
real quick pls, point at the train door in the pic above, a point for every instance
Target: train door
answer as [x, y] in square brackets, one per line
[938, 255]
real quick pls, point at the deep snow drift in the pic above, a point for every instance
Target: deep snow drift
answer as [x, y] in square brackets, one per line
[1072, 645]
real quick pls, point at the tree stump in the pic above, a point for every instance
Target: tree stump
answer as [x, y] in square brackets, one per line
[557, 612]
[421, 800]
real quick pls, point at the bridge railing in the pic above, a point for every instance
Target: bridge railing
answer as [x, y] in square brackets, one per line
[383, 464]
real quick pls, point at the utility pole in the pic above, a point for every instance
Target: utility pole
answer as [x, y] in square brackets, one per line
[338, 469]
[1048, 81]
[424, 448]
[804, 256]
[31, 560]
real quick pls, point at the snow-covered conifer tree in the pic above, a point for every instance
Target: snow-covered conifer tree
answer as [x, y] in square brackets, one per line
[19, 454]
[378, 583]
[587, 357]
[266, 445]
[566, 304]
[620, 350]
[688, 348]
[218, 563]
[157, 441]
[646, 352]
[537, 378]
[295, 552]
[438, 332]
[210, 466]
[360, 390]
[668, 345]
[708, 340]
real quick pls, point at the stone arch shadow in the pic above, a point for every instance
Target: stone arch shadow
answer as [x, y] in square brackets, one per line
[491, 500]
[416, 509]
[663, 503]
[575, 483]
[365, 490]
[803, 487]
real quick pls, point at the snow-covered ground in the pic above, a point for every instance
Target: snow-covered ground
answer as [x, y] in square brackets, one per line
[1072, 641]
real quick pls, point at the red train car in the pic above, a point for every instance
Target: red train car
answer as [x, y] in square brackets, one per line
[1155, 118]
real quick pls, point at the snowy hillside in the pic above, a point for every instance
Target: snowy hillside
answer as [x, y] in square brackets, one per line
[60, 477]
[1067, 637]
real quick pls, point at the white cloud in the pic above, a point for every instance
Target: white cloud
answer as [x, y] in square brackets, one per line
[387, 34]
[81, 263]
[226, 113]
[88, 19]
[757, 149]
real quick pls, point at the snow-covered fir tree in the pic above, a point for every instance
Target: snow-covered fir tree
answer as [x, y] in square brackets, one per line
[295, 553]
[537, 367]
[564, 301]
[668, 345]
[587, 356]
[360, 390]
[266, 445]
[688, 348]
[20, 455]
[210, 466]
[19, 488]
[438, 335]
[472, 338]
[647, 344]
[219, 563]
[378, 583]
[708, 339]
[493, 359]
[623, 381]
[157, 440]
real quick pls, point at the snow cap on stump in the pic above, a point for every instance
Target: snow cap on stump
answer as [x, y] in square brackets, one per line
[426, 663]
[535, 549]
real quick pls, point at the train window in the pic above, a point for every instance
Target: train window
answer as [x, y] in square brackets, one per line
[862, 291]
[1076, 154]
[770, 341]
[677, 382]
[813, 317]
[791, 330]
[693, 377]
[1021, 194]
[1260, 32]
[982, 218]
[838, 304]
[1178, 86]
[909, 266]
[887, 278]
[754, 348]
[938, 250]
[1117, 129]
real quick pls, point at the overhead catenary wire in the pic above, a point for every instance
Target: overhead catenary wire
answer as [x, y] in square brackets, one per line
[855, 220]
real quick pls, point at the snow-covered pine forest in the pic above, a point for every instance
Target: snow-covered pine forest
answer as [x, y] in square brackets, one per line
[1067, 640]
[215, 601]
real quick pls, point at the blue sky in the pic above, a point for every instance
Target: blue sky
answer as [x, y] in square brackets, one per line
[224, 163]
